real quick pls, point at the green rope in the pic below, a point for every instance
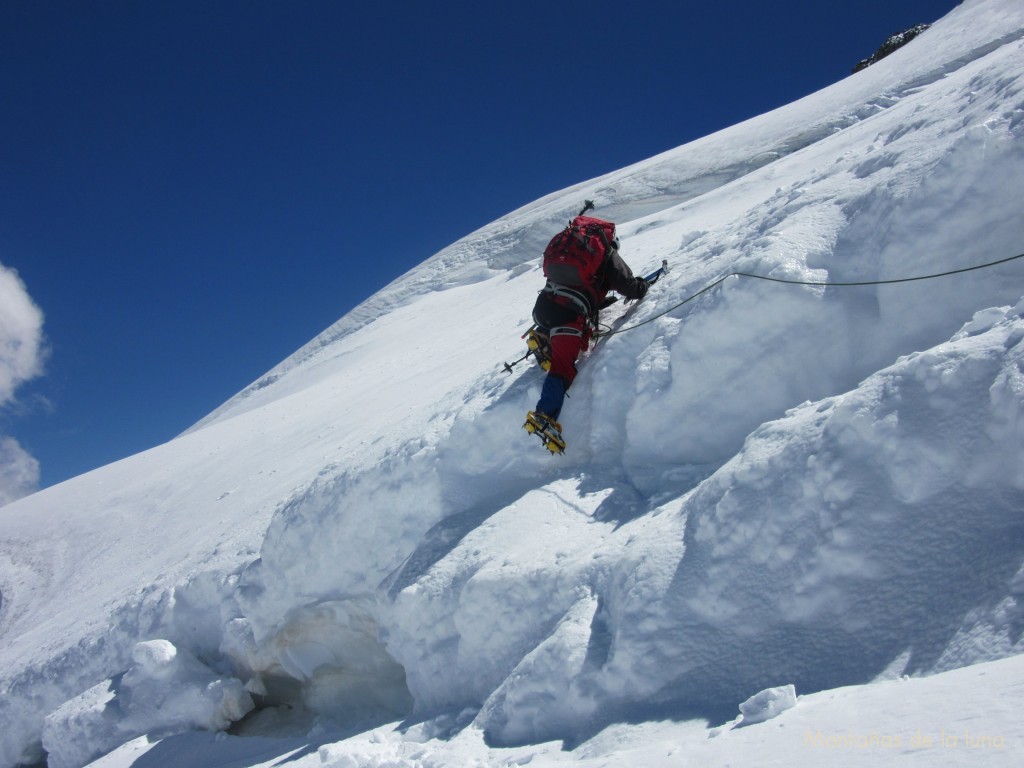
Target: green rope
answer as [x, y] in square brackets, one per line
[721, 280]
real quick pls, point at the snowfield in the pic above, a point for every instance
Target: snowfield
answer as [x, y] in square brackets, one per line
[789, 525]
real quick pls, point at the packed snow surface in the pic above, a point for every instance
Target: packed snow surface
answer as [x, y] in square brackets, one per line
[775, 496]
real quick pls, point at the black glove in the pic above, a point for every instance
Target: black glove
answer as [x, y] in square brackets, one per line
[641, 288]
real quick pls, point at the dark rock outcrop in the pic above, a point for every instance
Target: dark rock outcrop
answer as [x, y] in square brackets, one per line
[893, 43]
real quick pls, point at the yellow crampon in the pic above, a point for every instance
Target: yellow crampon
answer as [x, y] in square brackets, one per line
[539, 345]
[548, 430]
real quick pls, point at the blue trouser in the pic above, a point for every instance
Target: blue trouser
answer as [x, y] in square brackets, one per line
[552, 395]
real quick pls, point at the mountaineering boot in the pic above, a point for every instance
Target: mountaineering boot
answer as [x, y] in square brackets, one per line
[538, 421]
[547, 429]
[540, 345]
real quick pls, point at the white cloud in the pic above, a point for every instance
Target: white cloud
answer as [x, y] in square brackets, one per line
[21, 334]
[19, 472]
[21, 358]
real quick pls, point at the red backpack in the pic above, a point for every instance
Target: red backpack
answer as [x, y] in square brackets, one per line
[575, 255]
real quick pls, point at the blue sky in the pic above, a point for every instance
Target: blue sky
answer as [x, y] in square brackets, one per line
[192, 190]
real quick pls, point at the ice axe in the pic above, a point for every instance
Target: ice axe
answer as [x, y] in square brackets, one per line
[656, 275]
[510, 366]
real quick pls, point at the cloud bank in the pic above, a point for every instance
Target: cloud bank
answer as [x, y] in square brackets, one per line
[21, 358]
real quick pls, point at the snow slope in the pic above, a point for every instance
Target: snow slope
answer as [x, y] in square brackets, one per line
[916, 722]
[769, 485]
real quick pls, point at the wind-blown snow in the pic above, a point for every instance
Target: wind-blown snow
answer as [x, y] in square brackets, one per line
[770, 490]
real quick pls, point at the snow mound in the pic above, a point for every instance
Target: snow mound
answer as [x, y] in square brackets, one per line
[795, 559]
[167, 690]
[767, 704]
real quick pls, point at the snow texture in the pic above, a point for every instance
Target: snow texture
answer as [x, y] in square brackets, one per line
[770, 488]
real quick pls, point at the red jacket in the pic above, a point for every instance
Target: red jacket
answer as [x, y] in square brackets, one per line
[560, 305]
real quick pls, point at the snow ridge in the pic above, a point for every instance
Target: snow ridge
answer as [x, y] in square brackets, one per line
[657, 184]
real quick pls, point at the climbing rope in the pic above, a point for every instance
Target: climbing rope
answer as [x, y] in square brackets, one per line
[721, 280]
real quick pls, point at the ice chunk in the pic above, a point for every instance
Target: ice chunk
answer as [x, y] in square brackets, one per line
[83, 728]
[767, 704]
[167, 690]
